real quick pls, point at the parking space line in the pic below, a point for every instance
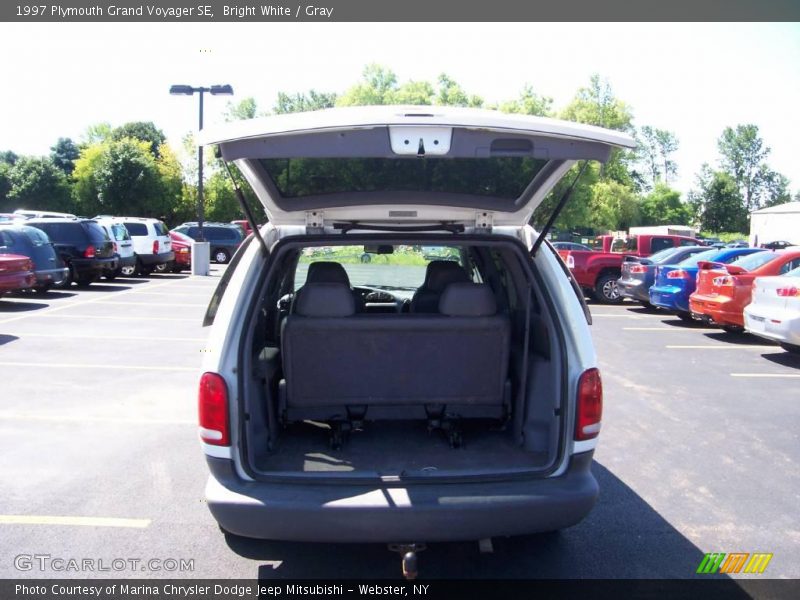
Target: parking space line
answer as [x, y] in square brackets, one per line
[110, 338]
[768, 375]
[670, 329]
[115, 317]
[121, 420]
[103, 367]
[74, 521]
[155, 304]
[719, 347]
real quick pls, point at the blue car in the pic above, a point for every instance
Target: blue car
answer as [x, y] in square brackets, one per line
[675, 283]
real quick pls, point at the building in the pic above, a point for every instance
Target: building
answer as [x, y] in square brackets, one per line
[776, 223]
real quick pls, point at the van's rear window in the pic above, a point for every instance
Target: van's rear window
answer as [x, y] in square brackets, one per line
[499, 177]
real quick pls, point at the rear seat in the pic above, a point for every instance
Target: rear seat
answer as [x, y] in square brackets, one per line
[343, 367]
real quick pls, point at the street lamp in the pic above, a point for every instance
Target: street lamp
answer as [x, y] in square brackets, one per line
[188, 90]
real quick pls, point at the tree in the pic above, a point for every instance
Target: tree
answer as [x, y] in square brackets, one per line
[667, 143]
[376, 87]
[718, 202]
[449, 93]
[529, 103]
[5, 186]
[655, 146]
[299, 102]
[35, 182]
[245, 109]
[613, 206]
[97, 133]
[412, 92]
[8, 157]
[663, 206]
[64, 153]
[145, 131]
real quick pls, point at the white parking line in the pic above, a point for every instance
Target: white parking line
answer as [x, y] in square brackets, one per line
[670, 329]
[155, 304]
[110, 338]
[715, 347]
[114, 317]
[104, 367]
[73, 521]
[768, 375]
[120, 420]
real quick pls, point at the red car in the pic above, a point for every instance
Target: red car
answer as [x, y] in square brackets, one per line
[245, 225]
[724, 290]
[16, 273]
[182, 246]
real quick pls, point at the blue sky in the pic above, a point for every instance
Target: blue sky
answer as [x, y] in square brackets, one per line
[693, 79]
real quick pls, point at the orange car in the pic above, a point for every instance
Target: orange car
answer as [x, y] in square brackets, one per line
[724, 290]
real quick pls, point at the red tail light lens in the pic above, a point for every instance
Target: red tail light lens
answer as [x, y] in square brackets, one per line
[155, 246]
[638, 269]
[116, 247]
[89, 252]
[678, 274]
[570, 261]
[589, 410]
[788, 292]
[726, 281]
[212, 401]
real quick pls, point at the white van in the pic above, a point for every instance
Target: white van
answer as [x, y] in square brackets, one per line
[446, 389]
[40, 214]
[151, 242]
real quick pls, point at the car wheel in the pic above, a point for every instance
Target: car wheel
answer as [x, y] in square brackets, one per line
[162, 268]
[365, 258]
[606, 289]
[685, 317]
[127, 271]
[794, 349]
[733, 329]
[221, 256]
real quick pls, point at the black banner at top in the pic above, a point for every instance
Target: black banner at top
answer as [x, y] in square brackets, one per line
[396, 10]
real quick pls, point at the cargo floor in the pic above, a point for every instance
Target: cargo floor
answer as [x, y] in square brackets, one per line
[396, 448]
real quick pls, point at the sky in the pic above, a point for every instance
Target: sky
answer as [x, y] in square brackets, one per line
[691, 79]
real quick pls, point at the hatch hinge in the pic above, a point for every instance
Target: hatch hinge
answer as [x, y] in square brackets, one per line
[315, 222]
[483, 221]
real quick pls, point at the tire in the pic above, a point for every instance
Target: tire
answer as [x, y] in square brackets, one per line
[142, 270]
[732, 329]
[221, 256]
[127, 271]
[685, 317]
[794, 349]
[606, 289]
[176, 268]
[162, 268]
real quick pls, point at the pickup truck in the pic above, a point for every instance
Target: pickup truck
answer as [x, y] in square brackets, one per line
[597, 272]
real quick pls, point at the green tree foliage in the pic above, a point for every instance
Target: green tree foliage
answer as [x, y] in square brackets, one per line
[97, 133]
[302, 102]
[376, 87]
[450, 93]
[145, 131]
[613, 206]
[663, 206]
[35, 182]
[242, 110]
[529, 103]
[8, 157]
[718, 202]
[64, 154]
[5, 185]
[655, 146]
[124, 177]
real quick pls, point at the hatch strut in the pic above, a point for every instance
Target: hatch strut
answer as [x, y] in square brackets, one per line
[443, 226]
[248, 213]
[557, 211]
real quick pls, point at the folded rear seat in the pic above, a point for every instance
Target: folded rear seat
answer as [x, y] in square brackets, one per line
[340, 366]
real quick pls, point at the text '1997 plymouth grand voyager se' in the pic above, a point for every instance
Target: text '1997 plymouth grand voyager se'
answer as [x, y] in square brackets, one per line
[360, 389]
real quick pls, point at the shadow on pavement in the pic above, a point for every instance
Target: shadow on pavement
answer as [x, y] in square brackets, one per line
[105, 287]
[623, 537]
[15, 306]
[744, 339]
[4, 339]
[674, 322]
[784, 359]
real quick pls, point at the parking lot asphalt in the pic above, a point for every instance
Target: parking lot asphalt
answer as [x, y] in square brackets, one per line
[699, 450]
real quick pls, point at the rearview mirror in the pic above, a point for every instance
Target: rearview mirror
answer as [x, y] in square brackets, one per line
[379, 249]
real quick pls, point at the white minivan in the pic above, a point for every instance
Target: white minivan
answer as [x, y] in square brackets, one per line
[151, 242]
[445, 389]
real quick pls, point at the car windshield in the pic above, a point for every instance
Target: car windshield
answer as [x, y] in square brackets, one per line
[754, 261]
[664, 255]
[160, 228]
[693, 260]
[403, 269]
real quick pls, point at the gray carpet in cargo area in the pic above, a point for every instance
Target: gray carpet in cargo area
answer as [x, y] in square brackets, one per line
[396, 448]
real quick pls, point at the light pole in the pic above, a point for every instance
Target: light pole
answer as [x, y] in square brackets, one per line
[188, 90]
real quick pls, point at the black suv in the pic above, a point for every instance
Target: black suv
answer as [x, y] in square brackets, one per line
[223, 237]
[83, 245]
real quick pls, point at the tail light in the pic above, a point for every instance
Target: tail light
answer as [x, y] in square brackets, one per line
[678, 274]
[116, 247]
[788, 292]
[570, 261]
[89, 252]
[725, 281]
[183, 251]
[589, 409]
[155, 246]
[638, 269]
[212, 403]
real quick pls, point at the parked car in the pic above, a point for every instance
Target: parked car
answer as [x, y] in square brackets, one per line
[245, 225]
[182, 246]
[123, 247]
[778, 245]
[674, 283]
[16, 273]
[774, 311]
[48, 267]
[151, 242]
[639, 273]
[42, 214]
[83, 245]
[722, 294]
[320, 424]
[224, 238]
[598, 272]
[571, 246]
[738, 244]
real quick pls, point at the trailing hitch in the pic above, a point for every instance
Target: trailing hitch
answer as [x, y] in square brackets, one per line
[409, 558]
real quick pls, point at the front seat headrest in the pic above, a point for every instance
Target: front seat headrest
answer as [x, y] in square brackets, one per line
[440, 273]
[327, 272]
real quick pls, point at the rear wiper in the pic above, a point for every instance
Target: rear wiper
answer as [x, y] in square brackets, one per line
[443, 226]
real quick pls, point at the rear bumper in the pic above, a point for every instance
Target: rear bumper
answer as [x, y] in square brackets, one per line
[780, 326]
[720, 309]
[126, 261]
[156, 259]
[94, 266]
[51, 276]
[17, 281]
[632, 288]
[427, 512]
[669, 298]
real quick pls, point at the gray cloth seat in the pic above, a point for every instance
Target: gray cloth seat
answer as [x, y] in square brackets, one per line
[395, 366]
[438, 275]
[330, 272]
